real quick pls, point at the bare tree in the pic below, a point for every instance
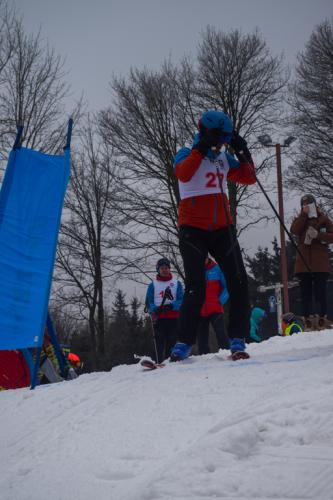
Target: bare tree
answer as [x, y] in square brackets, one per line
[89, 237]
[33, 93]
[145, 131]
[238, 74]
[7, 39]
[64, 322]
[312, 100]
[154, 113]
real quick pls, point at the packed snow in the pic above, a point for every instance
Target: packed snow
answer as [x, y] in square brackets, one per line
[204, 428]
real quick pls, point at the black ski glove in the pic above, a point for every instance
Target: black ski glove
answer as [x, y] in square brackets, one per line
[165, 308]
[209, 139]
[239, 145]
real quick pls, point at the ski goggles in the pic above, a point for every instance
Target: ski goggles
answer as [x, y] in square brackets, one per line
[225, 138]
[219, 136]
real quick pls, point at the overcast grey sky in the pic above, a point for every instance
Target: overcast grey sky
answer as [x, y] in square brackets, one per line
[104, 37]
[101, 37]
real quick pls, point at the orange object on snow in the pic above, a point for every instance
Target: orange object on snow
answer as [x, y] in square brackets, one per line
[74, 359]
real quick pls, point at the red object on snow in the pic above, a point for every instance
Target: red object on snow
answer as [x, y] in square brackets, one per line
[14, 371]
[74, 359]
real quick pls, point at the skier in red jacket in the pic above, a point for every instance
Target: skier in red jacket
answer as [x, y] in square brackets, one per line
[206, 226]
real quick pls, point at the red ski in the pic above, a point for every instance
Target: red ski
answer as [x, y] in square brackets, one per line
[235, 356]
[151, 365]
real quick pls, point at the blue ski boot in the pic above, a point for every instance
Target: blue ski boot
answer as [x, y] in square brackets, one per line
[237, 348]
[180, 351]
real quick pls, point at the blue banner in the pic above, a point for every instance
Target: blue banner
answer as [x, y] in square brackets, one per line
[31, 201]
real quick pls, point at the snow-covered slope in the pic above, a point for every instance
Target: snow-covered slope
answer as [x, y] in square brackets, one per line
[204, 428]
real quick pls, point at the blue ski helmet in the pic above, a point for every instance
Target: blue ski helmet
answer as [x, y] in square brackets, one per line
[216, 119]
[162, 262]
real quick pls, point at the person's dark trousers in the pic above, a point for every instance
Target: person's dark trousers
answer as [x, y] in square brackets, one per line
[320, 292]
[165, 330]
[217, 322]
[203, 335]
[313, 285]
[194, 246]
[305, 283]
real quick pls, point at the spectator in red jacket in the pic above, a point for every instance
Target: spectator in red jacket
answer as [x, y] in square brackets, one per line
[212, 311]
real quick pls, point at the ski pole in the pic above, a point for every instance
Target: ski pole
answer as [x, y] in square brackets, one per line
[233, 241]
[278, 216]
[154, 339]
[283, 225]
[167, 295]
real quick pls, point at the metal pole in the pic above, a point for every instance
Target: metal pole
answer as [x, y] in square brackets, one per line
[283, 255]
[278, 307]
[19, 133]
[69, 133]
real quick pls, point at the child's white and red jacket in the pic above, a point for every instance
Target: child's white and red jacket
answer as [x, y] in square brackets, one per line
[155, 294]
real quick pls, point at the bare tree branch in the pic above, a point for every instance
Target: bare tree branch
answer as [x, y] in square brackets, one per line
[312, 101]
[155, 112]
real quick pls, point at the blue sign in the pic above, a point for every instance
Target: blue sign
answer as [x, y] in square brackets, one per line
[272, 304]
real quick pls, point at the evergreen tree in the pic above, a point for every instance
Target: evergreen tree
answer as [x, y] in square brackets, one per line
[135, 319]
[119, 309]
[118, 341]
[265, 266]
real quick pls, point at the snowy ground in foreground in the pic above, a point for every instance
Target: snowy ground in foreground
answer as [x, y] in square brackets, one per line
[205, 428]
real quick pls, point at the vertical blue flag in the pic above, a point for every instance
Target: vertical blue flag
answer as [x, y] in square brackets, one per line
[31, 201]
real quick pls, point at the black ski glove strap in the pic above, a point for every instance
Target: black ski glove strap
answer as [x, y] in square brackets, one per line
[244, 155]
[239, 145]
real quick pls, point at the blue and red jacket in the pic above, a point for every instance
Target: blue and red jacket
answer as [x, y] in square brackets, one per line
[216, 290]
[208, 210]
[155, 294]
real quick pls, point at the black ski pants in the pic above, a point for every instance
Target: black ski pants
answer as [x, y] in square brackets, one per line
[217, 322]
[195, 244]
[165, 331]
[313, 285]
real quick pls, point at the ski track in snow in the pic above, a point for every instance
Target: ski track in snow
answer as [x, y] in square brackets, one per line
[205, 428]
